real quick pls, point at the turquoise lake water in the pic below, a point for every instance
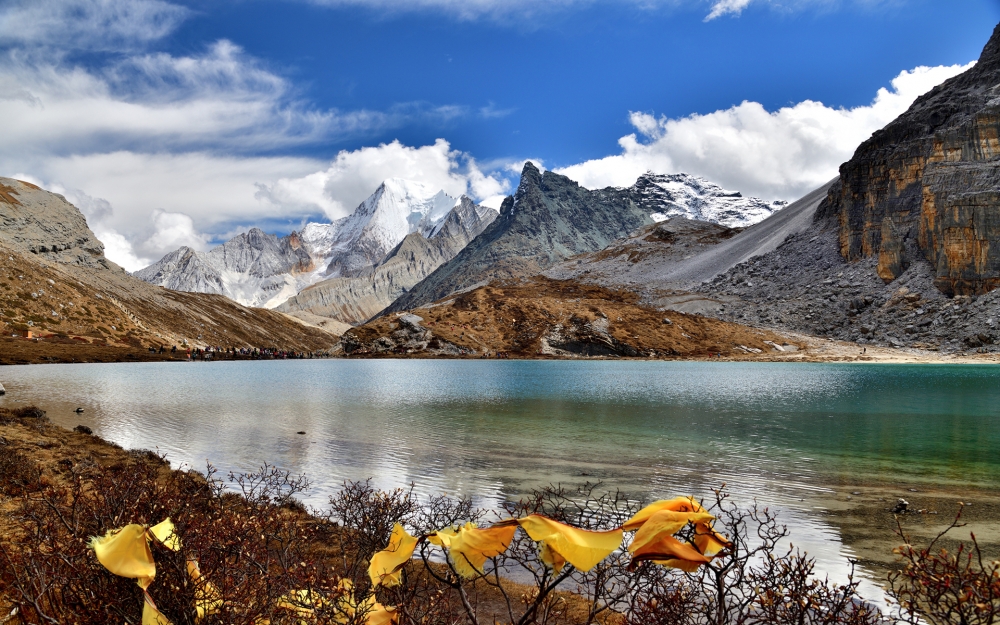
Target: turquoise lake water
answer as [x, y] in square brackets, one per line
[783, 433]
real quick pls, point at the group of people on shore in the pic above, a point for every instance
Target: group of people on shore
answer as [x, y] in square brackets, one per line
[214, 352]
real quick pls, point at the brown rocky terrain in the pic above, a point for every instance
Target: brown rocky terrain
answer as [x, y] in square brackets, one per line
[55, 281]
[541, 317]
[928, 186]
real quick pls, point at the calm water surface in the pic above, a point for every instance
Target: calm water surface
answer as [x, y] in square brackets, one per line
[783, 433]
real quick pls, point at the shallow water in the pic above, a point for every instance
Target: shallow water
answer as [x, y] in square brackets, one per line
[782, 433]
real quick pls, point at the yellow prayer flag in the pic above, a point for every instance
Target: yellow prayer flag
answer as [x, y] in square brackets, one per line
[550, 558]
[386, 566]
[207, 598]
[709, 541]
[677, 504]
[152, 616]
[125, 552]
[581, 548]
[383, 615]
[469, 546]
[666, 523]
[668, 549]
[165, 532]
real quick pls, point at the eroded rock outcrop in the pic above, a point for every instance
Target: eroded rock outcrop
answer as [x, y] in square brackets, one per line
[929, 184]
[45, 224]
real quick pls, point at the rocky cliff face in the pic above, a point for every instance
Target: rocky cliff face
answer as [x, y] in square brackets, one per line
[928, 184]
[45, 224]
[358, 298]
[551, 218]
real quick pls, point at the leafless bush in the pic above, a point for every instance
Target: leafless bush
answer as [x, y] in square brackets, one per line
[257, 551]
[18, 474]
[250, 553]
[939, 587]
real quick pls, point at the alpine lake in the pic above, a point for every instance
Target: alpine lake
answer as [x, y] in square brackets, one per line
[829, 447]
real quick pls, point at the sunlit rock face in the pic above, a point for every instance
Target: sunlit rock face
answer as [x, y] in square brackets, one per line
[929, 183]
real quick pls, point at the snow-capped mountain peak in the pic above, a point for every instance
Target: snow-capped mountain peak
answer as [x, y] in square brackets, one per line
[259, 269]
[397, 208]
[693, 197]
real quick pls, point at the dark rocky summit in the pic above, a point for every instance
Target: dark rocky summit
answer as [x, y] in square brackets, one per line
[548, 219]
[928, 186]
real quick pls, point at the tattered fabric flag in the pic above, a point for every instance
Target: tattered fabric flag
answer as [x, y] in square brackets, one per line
[386, 566]
[207, 598]
[677, 504]
[125, 552]
[660, 520]
[469, 546]
[348, 608]
[665, 523]
[581, 548]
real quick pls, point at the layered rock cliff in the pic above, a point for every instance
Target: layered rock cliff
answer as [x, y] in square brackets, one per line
[929, 184]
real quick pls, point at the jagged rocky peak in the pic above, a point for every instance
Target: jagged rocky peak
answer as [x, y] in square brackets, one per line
[928, 185]
[683, 195]
[548, 219]
[356, 299]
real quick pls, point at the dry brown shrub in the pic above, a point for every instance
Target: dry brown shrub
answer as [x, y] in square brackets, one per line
[938, 587]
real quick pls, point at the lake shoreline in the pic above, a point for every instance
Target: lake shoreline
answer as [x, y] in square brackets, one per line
[20, 351]
[861, 510]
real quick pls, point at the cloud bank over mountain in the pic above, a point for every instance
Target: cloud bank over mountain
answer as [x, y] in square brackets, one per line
[779, 154]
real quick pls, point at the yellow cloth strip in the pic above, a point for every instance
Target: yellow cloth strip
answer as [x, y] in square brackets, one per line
[386, 566]
[207, 598]
[469, 546]
[125, 552]
[677, 504]
[581, 548]
[665, 523]
[666, 550]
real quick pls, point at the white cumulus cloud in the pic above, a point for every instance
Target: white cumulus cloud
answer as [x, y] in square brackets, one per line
[727, 7]
[161, 150]
[770, 154]
[353, 175]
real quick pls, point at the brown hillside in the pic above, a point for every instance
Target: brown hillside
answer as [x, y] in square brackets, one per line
[545, 317]
[108, 307]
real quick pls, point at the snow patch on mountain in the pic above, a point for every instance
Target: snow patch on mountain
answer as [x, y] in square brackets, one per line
[683, 195]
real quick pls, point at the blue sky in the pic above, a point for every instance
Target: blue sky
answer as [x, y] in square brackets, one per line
[171, 122]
